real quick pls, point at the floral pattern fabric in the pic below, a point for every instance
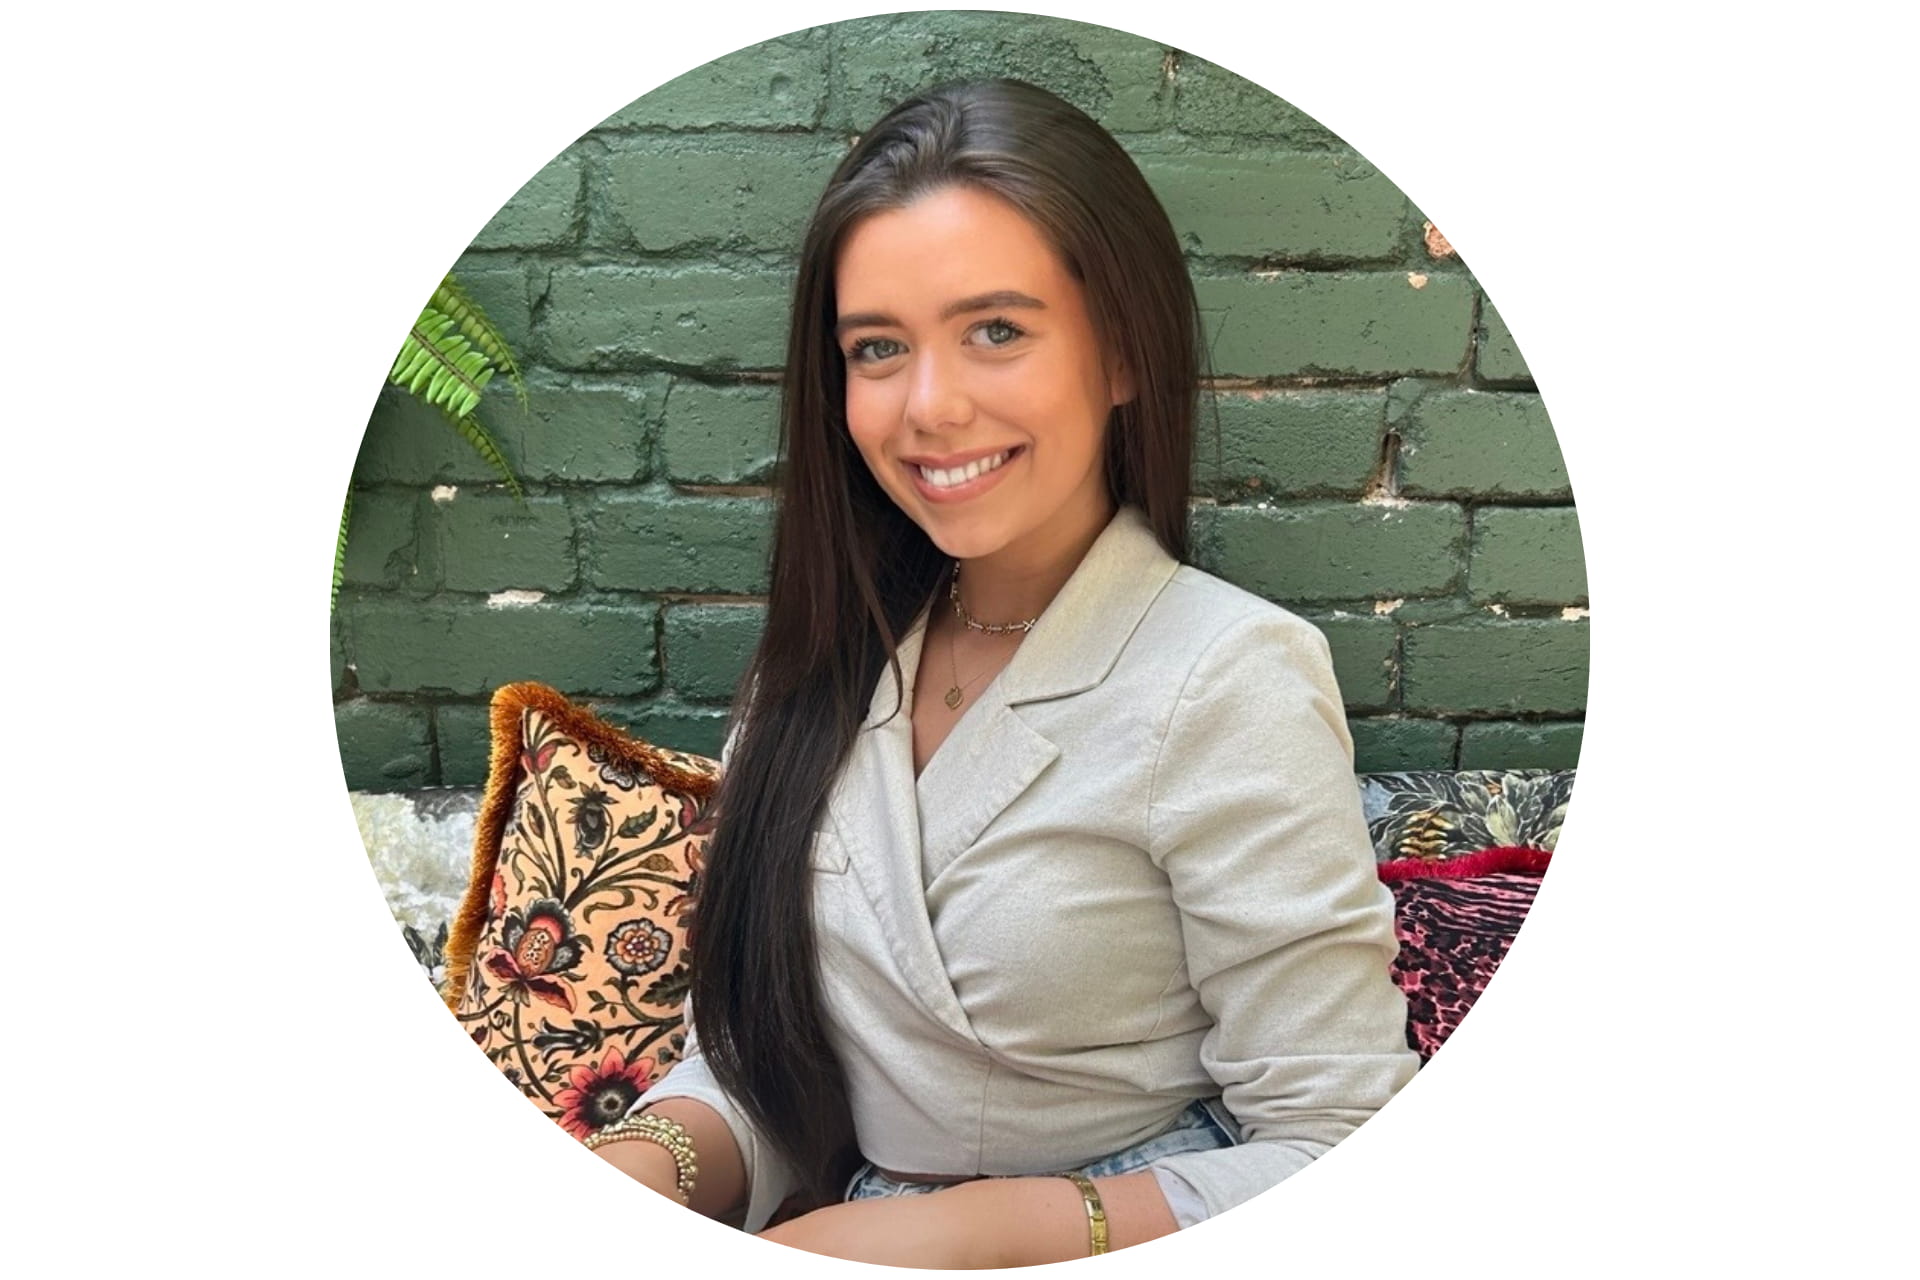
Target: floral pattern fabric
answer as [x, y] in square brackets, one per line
[576, 981]
[1434, 815]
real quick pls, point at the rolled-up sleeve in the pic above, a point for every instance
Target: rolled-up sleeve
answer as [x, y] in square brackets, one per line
[1256, 820]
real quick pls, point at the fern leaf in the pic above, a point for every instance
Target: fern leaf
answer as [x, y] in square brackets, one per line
[340, 553]
[433, 364]
[451, 300]
[476, 435]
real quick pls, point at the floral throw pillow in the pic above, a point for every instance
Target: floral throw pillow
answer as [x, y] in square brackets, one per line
[567, 962]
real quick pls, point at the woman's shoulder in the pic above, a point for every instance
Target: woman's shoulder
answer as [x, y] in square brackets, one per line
[1197, 610]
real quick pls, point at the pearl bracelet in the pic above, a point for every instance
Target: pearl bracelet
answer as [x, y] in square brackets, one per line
[660, 1130]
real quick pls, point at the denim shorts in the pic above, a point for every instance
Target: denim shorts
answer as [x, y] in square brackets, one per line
[1203, 1126]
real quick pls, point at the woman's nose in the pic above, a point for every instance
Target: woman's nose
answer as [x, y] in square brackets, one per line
[936, 393]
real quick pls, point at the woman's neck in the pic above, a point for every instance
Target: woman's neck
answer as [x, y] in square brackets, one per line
[1019, 582]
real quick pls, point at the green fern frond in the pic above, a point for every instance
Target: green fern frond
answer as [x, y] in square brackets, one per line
[450, 299]
[441, 366]
[340, 553]
[476, 435]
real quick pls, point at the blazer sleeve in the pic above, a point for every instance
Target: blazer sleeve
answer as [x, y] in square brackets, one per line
[1255, 817]
[770, 1180]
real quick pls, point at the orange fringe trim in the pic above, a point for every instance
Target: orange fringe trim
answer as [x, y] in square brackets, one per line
[510, 703]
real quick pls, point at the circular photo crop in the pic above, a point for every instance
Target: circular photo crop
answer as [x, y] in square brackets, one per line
[1011, 570]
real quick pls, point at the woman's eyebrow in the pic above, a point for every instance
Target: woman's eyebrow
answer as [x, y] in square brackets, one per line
[978, 302]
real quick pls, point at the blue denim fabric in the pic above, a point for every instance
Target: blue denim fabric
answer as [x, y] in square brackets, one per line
[1203, 1126]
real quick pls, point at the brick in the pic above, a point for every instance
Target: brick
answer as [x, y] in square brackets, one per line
[1527, 555]
[1289, 207]
[583, 430]
[1326, 551]
[1350, 324]
[1111, 75]
[1505, 744]
[469, 648]
[720, 435]
[1489, 444]
[1496, 666]
[707, 648]
[1209, 99]
[383, 542]
[779, 83]
[336, 650]
[1365, 654]
[383, 746]
[491, 542]
[1289, 443]
[663, 722]
[713, 191]
[504, 286]
[409, 442]
[667, 542]
[1392, 744]
[619, 317]
[1420, 613]
[1496, 354]
[463, 734]
[542, 213]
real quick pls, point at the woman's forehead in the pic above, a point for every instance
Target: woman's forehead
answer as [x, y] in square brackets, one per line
[953, 244]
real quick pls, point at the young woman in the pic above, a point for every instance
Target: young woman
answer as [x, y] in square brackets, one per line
[1041, 915]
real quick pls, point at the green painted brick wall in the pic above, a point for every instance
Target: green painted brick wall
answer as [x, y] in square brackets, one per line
[1372, 451]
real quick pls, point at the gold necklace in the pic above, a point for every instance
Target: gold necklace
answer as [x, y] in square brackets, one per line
[974, 624]
[957, 690]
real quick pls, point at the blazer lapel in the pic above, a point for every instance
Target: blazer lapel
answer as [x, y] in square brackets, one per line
[877, 819]
[993, 755]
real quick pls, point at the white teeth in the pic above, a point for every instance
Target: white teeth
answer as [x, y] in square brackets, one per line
[960, 475]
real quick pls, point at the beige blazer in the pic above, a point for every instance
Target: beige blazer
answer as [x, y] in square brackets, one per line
[1135, 873]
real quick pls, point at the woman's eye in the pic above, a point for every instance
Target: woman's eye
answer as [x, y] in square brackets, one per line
[870, 349]
[998, 333]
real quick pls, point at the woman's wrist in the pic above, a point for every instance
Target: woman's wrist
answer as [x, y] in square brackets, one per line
[720, 1184]
[646, 1162]
[1026, 1221]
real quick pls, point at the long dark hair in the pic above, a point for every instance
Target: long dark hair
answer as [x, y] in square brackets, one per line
[851, 571]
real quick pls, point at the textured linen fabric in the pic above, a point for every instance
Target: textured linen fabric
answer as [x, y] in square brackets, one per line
[1135, 874]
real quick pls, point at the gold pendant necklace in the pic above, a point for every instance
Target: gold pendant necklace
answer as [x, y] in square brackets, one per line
[956, 691]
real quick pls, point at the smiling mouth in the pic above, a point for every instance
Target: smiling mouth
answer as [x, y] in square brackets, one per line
[957, 476]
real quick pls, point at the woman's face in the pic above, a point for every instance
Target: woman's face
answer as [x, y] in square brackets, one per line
[976, 388]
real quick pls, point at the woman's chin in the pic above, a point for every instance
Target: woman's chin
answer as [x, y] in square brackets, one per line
[965, 544]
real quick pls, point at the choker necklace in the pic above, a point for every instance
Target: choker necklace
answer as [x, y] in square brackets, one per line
[974, 624]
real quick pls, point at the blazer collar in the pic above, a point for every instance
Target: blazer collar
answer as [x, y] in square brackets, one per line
[1082, 632]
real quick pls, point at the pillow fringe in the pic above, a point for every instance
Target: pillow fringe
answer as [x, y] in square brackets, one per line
[506, 716]
[1482, 862]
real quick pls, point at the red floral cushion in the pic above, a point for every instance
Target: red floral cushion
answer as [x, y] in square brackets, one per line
[567, 960]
